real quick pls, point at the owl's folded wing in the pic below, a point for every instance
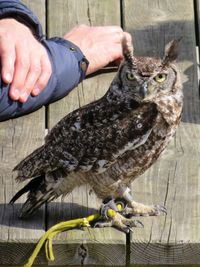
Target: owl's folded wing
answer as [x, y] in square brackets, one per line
[90, 139]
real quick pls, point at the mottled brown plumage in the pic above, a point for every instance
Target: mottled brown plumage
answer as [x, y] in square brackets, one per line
[112, 141]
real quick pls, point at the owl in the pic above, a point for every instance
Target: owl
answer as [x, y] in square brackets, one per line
[112, 141]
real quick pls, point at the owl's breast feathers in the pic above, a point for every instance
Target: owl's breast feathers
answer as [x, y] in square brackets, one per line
[91, 138]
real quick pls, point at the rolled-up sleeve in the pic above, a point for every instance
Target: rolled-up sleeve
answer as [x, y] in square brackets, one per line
[68, 66]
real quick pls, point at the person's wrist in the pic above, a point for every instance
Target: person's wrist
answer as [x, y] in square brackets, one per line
[77, 52]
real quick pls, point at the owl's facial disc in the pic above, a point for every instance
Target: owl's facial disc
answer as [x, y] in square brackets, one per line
[158, 84]
[149, 80]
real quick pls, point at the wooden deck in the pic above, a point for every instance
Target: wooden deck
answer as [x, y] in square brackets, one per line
[173, 181]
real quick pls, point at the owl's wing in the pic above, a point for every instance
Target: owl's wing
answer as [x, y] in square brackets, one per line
[91, 138]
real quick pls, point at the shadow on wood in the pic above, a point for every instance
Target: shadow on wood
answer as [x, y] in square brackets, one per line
[10, 218]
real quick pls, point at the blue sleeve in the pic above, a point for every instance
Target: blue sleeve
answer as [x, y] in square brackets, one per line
[68, 65]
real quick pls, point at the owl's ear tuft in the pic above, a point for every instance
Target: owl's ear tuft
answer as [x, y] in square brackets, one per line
[171, 51]
[127, 49]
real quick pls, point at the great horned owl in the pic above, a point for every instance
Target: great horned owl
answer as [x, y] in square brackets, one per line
[112, 141]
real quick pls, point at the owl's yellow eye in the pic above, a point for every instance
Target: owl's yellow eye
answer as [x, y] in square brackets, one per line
[160, 78]
[130, 76]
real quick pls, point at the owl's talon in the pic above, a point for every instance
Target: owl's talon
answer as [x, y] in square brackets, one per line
[126, 230]
[159, 209]
[133, 223]
[123, 223]
[129, 229]
[139, 224]
[101, 224]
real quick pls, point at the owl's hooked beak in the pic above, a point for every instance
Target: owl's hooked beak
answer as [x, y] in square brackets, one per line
[143, 91]
[147, 92]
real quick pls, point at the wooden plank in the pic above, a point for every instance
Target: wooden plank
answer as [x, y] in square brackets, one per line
[17, 139]
[38, 8]
[88, 246]
[173, 180]
[197, 28]
[197, 22]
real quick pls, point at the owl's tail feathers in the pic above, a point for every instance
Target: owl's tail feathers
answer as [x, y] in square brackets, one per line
[31, 166]
[39, 192]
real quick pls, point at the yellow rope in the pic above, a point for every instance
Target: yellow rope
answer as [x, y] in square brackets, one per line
[47, 238]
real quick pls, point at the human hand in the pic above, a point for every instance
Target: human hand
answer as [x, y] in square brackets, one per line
[25, 63]
[100, 45]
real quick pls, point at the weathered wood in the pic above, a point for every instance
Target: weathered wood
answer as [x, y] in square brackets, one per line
[197, 30]
[197, 22]
[173, 180]
[38, 8]
[18, 139]
[88, 246]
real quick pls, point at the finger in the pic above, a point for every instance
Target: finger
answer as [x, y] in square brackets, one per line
[46, 71]
[111, 54]
[31, 78]
[7, 54]
[116, 51]
[22, 65]
[116, 37]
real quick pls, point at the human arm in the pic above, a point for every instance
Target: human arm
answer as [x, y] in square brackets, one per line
[66, 65]
[101, 45]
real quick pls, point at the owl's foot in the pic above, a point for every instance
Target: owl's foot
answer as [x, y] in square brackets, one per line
[110, 213]
[117, 220]
[139, 209]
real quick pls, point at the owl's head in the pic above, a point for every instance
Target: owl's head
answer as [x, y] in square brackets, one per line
[146, 78]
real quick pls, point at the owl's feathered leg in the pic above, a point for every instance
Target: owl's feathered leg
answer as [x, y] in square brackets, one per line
[138, 209]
